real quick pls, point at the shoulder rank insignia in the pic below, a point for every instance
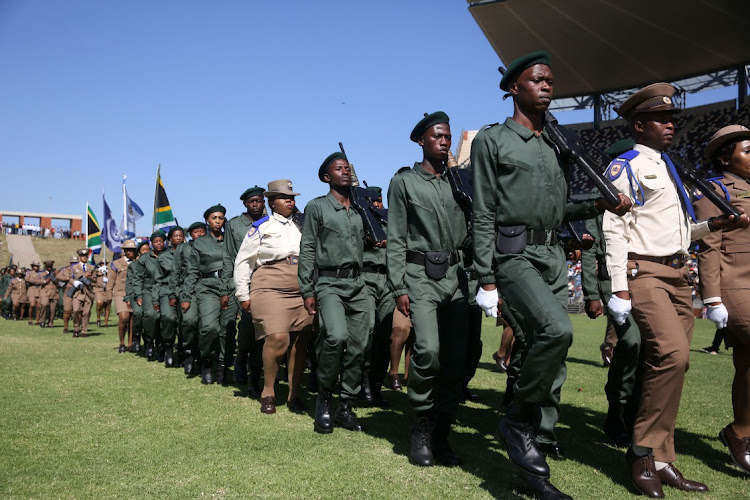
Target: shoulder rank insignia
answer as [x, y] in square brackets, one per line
[615, 169]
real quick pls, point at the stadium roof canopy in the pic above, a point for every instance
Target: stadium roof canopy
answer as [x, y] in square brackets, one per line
[603, 46]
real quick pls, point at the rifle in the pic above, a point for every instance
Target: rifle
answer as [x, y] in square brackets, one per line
[362, 202]
[567, 146]
[689, 174]
[463, 192]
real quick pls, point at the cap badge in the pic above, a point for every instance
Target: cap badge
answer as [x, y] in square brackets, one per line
[666, 100]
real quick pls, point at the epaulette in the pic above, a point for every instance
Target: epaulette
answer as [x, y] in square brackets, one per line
[255, 225]
[485, 127]
[402, 170]
[112, 266]
[717, 182]
[615, 168]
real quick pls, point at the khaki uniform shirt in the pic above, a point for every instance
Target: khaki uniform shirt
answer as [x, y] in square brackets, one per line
[17, 289]
[724, 256]
[118, 276]
[50, 288]
[658, 228]
[78, 270]
[274, 239]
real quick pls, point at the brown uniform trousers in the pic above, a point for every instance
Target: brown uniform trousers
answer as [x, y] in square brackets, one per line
[82, 298]
[34, 283]
[663, 309]
[724, 262]
[17, 289]
[63, 275]
[48, 298]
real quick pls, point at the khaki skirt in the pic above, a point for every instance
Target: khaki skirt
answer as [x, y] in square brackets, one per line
[737, 302]
[275, 302]
[399, 320]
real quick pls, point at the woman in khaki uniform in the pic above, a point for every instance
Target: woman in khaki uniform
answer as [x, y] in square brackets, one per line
[49, 295]
[724, 267]
[116, 289]
[101, 297]
[265, 275]
[17, 293]
[63, 276]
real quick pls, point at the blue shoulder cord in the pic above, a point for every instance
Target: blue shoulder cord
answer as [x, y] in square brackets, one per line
[627, 156]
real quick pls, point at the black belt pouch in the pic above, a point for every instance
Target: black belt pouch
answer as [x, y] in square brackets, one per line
[436, 264]
[511, 239]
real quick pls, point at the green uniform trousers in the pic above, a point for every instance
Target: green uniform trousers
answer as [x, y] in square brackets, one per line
[228, 341]
[137, 318]
[534, 284]
[624, 378]
[343, 307]
[381, 307]
[150, 319]
[189, 328]
[439, 313]
[170, 318]
[213, 319]
[473, 342]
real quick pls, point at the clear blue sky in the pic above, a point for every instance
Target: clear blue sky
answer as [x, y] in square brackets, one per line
[225, 94]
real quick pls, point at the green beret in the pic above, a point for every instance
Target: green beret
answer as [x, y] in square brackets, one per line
[427, 122]
[141, 244]
[253, 191]
[514, 69]
[619, 147]
[215, 208]
[324, 166]
[172, 230]
[158, 234]
[376, 189]
[196, 225]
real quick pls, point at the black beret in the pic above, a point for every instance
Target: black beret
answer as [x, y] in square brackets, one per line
[619, 147]
[253, 191]
[215, 208]
[141, 244]
[196, 225]
[158, 234]
[173, 229]
[324, 166]
[427, 122]
[521, 64]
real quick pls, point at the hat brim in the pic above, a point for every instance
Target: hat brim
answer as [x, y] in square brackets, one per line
[268, 194]
[712, 146]
[656, 109]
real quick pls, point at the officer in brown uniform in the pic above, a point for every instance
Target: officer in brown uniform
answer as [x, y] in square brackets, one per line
[646, 254]
[49, 295]
[34, 281]
[17, 291]
[117, 275]
[102, 298]
[83, 295]
[724, 267]
[63, 276]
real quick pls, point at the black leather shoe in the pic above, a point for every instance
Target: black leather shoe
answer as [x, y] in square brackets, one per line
[253, 385]
[268, 405]
[670, 476]
[346, 418]
[518, 437]
[553, 451]
[739, 448]
[136, 347]
[395, 382]
[312, 382]
[121, 349]
[188, 367]
[168, 356]
[240, 368]
[540, 487]
[207, 377]
[221, 374]
[296, 406]
[323, 421]
[441, 449]
[467, 395]
[377, 396]
[643, 473]
[501, 362]
[365, 394]
[615, 428]
[420, 452]
[150, 351]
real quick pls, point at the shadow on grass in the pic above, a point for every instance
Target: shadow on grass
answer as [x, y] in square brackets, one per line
[588, 362]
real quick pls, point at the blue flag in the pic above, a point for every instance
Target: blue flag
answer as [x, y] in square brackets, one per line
[110, 233]
[132, 213]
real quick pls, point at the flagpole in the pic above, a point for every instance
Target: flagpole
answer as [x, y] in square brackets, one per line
[156, 198]
[87, 224]
[101, 233]
[124, 206]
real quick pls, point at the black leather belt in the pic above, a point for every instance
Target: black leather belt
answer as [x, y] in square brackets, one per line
[677, 260]
[212, 274]
[292, 260]
[378, 269]
[341, 272]
[541, 237]
[420, 258]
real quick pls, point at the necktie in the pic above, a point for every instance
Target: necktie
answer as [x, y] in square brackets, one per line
[686, 204]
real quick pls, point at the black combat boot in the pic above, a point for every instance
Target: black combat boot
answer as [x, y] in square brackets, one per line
[220, 374]
[188, 362]
[168, 355]
[207, 377]
[365, 394]
[421, 446]
[345, 417]
[516, 434]
[240, 367]
[441, 449]
[136, 347]
[323, 421]
[253, 384]
[149, 350]
[615, 428]
[540, 487]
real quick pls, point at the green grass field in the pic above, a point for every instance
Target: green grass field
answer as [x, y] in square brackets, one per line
[80, 420]
[59, 250]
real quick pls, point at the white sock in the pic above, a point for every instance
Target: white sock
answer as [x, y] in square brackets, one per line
[660, 465]
[640, 451]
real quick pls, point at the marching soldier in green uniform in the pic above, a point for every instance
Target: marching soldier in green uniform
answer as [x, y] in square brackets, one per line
[130, 299]
[179, 293]
[331, 246]
[210, 294]
[382, 305]
[145, 293]
[426, 231]
[235, 231]
[520, 198]
[7, 304]
[169, 313]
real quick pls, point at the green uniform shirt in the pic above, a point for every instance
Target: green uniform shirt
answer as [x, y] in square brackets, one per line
[517, 180]
[133, 280]
[596, 286]
[423, 216]
[165, 261]
[373, 256]
[179, 272]
[145, 276]
[234, 232]
[332, 237]
[207, 256]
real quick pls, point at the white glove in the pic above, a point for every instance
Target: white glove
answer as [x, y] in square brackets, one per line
[488, 301]
[105, 279]
[620, 308]
[718, 314]
[77, 283]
